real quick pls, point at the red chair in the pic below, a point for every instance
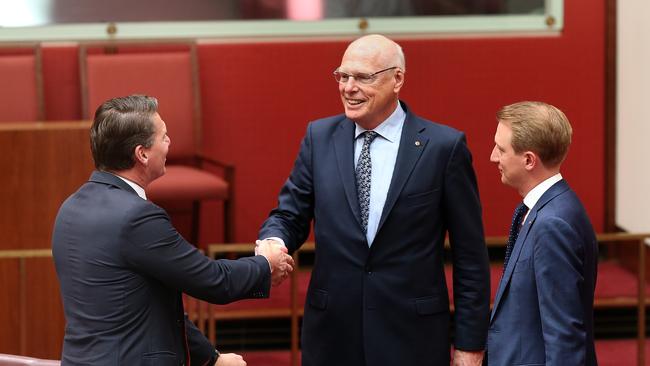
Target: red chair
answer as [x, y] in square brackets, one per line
[21, 89]
[13, 360]
[171, 75]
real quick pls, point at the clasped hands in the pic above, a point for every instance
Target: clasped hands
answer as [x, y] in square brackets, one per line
[280, 261]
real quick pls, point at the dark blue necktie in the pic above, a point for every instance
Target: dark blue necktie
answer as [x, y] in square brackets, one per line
[517, 217]
[363, 174]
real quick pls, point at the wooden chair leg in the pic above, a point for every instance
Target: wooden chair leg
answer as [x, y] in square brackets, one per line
[196, 219]
[229, 207]
[228, 224]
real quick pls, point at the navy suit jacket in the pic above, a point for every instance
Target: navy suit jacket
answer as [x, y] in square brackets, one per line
[122, 268]
[387, 304]
[543, 311]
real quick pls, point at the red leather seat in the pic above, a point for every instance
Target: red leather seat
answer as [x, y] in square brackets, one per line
[171, 77]
[21, 87]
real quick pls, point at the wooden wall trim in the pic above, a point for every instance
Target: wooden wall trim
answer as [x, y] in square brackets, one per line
[610, 116]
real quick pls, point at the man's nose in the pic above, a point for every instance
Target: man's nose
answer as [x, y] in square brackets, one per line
[493, 156]
[350, 85]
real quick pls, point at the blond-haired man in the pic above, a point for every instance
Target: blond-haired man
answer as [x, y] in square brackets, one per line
[542, 313]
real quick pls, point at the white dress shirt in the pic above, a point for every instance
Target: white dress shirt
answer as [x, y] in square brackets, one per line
[536, 193]
[139, 190]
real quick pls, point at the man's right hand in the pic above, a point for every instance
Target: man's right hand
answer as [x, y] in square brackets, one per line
[230, 359]
[281, 263]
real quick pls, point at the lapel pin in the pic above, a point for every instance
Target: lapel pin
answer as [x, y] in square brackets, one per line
[418, 143]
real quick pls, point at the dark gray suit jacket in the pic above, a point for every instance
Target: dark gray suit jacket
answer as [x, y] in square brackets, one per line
[387, 304]
[122, 268]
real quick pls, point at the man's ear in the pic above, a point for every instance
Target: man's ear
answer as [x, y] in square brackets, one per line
[530, 160]
[399, 80]
[140, 153]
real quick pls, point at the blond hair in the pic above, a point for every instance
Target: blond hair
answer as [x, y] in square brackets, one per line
[540, 128]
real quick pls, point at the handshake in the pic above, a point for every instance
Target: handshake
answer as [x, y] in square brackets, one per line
[280, 261]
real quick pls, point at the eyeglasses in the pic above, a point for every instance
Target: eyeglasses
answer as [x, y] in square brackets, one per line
[343, 77]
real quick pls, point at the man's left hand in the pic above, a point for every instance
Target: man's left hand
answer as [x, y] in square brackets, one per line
[468, 358]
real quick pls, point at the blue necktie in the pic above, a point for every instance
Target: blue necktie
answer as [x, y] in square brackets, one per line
[517, 217]
[363, 174]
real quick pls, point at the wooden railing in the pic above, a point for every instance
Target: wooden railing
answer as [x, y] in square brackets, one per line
[203, 312]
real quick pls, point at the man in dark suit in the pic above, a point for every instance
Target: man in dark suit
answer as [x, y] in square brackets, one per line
[543, 311]
[122, 266]
[383, 187]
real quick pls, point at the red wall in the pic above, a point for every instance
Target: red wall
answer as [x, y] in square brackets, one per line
[258, 98]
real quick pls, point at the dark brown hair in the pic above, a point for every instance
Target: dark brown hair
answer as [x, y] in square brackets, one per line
[119, 126]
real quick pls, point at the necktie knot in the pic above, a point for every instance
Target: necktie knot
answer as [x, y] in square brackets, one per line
[368, 136]
[518, 215]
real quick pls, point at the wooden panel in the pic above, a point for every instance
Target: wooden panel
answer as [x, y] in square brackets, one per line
[9, 306]
[45, 324]
[44, 163]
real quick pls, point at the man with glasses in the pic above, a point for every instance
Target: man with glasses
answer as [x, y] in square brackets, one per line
[383, 187]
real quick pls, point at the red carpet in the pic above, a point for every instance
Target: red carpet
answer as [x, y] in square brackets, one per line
[267, 358]
[619, 352]
[609, 353]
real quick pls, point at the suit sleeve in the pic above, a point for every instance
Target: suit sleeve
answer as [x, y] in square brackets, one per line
[291, 219]
[471, 272]
[202, 352]
[560, 282]
[154, 248]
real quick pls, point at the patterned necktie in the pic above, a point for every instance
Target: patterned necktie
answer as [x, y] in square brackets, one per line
[363, 173]
[517, 217]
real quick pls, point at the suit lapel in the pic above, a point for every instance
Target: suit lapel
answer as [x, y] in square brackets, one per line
[344, 150]
[551, 193]
[412, 144]
[514, 257]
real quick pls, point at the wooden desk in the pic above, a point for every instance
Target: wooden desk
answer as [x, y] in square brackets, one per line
[41, 164]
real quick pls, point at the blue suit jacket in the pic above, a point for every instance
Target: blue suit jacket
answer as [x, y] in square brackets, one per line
[122, 268]
[387, 304]
[543, 311]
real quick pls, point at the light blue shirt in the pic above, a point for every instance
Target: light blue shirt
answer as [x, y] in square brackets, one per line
[383, 155]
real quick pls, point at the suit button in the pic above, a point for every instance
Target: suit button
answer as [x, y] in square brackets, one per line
[368, 269]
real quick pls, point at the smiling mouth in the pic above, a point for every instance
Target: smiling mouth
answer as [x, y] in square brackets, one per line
[354, 102]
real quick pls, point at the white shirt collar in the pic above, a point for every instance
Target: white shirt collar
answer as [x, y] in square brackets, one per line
[536, 193]
[390, 128]
[139, 190]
